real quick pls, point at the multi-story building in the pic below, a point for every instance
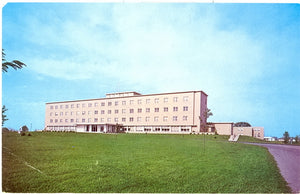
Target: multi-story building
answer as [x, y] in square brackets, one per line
[178, 112]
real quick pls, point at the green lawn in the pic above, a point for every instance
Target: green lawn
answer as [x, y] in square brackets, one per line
[73, 162]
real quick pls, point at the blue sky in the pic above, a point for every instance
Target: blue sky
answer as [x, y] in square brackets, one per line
[244, 56]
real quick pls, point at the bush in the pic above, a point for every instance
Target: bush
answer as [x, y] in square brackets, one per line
[23, 133]
[29, 134]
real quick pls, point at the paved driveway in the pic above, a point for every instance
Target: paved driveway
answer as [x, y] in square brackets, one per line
[288, 161]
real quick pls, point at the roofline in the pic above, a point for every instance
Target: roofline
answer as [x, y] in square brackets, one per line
[128, 96]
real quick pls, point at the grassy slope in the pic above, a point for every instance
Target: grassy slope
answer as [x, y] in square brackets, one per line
[136, 163]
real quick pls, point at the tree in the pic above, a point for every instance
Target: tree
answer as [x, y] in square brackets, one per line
[4, 115]
[286, 137]
[242, 124]
[15, 64]
[205, 115]
[297, 138]
[24, 128]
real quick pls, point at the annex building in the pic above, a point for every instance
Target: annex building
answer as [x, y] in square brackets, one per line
[130, 112]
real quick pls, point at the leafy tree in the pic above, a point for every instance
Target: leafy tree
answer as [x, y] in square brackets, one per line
[286, 137]
[24, 128]
[206, 114]
[242, 124]
[4, 115]
[15, 64]
[297, 138]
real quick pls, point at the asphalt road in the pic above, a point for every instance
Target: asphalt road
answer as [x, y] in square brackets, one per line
[288, 161]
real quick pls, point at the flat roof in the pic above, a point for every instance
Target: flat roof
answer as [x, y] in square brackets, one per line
[105, 98]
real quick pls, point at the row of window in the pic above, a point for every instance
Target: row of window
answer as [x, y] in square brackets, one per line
[131, 119]
[116, 103]
[139, 110]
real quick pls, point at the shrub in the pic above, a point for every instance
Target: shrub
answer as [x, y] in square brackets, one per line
[29, 134]
[23, 133]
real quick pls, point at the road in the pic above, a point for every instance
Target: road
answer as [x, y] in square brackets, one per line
[288, 161]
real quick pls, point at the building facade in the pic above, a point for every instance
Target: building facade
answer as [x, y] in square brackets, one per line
[229, 129]
[131, 112]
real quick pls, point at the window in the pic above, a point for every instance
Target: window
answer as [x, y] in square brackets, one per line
[90, 105]
[109, 104]
[185, 108]
[156, 100]
[51, 107]
[108, 119]
[50, 114]
[185, 98]
[157, 129]
[83, 112]
[131, 119]
[72, 120]
[61, 106]
[165, 129]
[139, 110]
[131, 110]
[96, 104]
[67, 106]
[102, 103]
[147, 101]
[123, 102]
[56, 113]
[89, 120]
[174, 118]
[175, 108]
[109, 112]
[77, 120]
[71, 113]
[116, 111]
[166, 99]
[123, 119]
[165, 118]
[66, 113]
[89, 112]
[147, 109]
[155, 118]
[61, 114]
[51, 120]
[131, 101]
[140, 101]
[147, 119]
[102, 112]
[156, 109]
[77, 105]
[116, 103]
[72, 105]
[96, 112]
[116, 120]
[56, 120]
[83, 120]
[147, 129]
[83, 105]
[95, 120]
[184, 118]
[175, 99]
[102, 120]
[123, 111]
[56, 107]
[166, 109]
[66, 120]
[139, 119]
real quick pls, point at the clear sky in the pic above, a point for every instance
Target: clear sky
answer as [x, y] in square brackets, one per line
[246, 57]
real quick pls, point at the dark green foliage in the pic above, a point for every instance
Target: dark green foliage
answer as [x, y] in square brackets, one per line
[286, 137]
[241, 124]
[22, 133]
[4, 115]
[25, 128]
[15, 64]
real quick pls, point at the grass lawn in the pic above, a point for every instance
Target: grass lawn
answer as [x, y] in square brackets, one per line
[73, 162]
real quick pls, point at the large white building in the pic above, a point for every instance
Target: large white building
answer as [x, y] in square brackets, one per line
[177, 112]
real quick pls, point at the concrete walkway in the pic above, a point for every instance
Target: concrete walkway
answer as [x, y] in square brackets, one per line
[288, 161]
